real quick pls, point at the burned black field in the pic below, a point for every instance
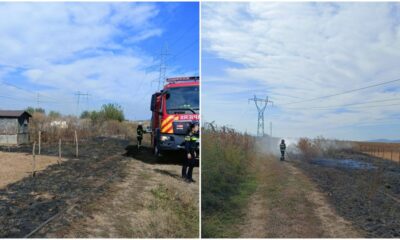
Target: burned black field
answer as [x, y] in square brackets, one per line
[28, 203]
[363, 189]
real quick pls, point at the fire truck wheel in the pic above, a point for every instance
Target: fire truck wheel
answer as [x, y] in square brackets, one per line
[156, 151]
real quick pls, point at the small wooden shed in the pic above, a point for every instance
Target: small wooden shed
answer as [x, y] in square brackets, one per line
[14, 127]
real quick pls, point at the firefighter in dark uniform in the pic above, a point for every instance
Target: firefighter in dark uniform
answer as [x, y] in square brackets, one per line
[282, 146]
[190, 151]
[139, 137]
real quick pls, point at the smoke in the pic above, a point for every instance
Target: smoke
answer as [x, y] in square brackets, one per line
[270, 145]
[304, 147]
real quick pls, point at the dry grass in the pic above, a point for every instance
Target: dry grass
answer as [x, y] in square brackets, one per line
[227, 182]
[16, 166]
[85, 129]
[388, 151]
[317, 147]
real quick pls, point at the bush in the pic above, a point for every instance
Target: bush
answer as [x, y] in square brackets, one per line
[307, 148]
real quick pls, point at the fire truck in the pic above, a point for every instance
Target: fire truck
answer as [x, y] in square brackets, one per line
[174, 108]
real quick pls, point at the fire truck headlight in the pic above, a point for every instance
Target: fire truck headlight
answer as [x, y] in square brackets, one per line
[164, 138]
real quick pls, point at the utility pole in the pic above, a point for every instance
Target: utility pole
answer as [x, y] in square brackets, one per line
[163, 66]
[261, 105]
[78, 95]
[270, 129]
[37, 100]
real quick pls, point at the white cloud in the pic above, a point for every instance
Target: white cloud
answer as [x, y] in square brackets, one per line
[294, 51]
[69, 47]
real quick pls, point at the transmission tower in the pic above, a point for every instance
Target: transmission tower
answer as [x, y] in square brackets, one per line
[261, 105]
[163, 66]
[37, 100]
[79, 95]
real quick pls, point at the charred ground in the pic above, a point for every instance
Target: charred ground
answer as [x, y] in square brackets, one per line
[367, 196]
[72, 192]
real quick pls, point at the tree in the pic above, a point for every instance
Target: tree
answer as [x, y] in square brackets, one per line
[85, 114]
[32, 110]
[95, 116]
[54, 114]
[112, 111]
[40, 110]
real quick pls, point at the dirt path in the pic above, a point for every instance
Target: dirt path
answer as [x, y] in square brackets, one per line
[333, 225]
[288, 204]
[151, 201]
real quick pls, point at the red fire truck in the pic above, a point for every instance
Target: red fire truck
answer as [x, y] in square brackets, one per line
[173, 109]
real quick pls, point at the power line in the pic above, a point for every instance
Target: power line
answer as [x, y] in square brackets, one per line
[357, 107]
[34, 93]
[350, 104]
[342, 93]
[183, 33]
[187, 47]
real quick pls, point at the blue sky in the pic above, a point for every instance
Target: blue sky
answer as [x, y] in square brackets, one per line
[299, 51]
[109, 50]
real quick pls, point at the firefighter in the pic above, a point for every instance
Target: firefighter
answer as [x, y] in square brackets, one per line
[283, 149]
[139, 137]
[190, 151]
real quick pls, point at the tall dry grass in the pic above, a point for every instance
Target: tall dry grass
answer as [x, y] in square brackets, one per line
[85, 128]
[227, 179]
[321, 147]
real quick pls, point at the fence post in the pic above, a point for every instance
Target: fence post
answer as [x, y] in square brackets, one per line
[33, 159]
[59, 151]
[391, 154]
[76, 145]
[40, 141]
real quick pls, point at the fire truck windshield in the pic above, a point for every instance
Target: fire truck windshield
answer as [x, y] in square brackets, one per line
[183, 100]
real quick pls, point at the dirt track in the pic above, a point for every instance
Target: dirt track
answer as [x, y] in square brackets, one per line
[288, 204]
[108, 192]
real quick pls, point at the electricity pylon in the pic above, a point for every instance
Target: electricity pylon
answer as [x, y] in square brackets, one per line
[163, 66]
[261, 105]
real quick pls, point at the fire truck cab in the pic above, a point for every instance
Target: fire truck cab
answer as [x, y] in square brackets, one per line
[173, 109]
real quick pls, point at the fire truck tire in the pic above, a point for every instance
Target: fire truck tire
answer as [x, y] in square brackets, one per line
[155, 150]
